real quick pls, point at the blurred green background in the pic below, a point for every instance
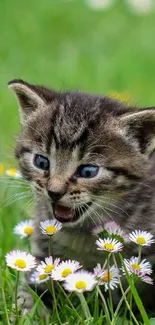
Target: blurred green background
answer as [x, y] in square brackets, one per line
[67, 45]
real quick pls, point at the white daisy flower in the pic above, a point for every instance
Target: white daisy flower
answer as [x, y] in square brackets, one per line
[140, 6]
[24, 228]
[97, 230]
[20, 261]
[114, 229]
[142, 238]
[80, 281]
[64, 269]
[12, 172]
[132, 264]
[38, 277]
[138, 275]
[50, 227]
[99, 4]
[109, 245]
[147, 279]
[109, 278]
[98, 270]
[48, 266]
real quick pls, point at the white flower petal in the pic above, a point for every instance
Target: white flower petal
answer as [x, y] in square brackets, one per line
[48, 266]
[142, 238]
[109, 245]
[38, 277]
[80, 281]
[50, 227]
[20, 260]
[64, 269]
[24, 228]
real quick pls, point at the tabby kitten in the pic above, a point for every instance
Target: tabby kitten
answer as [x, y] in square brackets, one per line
[89, 159]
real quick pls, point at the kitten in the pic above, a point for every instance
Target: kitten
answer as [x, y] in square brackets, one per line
[89, 160]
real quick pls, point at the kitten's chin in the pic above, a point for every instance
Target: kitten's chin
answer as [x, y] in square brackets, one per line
[66, 214]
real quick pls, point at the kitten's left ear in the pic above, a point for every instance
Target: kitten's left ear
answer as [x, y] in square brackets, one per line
[140, 125]
[30, 97]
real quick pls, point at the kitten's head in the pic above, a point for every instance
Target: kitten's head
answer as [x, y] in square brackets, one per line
[79, 151]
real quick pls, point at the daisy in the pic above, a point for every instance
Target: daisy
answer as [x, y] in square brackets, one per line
[109, 278]
[142, 238]
[138, 275]
[80, 281]
[38, 277]
[48, 266]
[12, 172]
[98, 270]
[99, 4]
[24, 228]
[109, 245]
[50, 227]
[64, 269]
[20, 261]
[133, 265]
[114, 229]
[98, 230]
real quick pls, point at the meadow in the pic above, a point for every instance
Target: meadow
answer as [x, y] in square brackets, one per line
[64, 45]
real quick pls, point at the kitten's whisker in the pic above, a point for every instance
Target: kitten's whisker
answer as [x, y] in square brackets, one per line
[113, 205]
[109, 199]
[94, 212]
[104, 209]
[16, 199]
[89, 208]
[26, 207]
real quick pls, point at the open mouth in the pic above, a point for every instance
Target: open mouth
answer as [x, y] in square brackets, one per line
[67, 214]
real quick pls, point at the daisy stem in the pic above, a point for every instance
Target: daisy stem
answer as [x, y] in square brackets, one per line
[69, 301]
[29, 245]
[105, 306]
[119, 306]
[5, 305]
[139, 253]
[55, 302]
[125, 299]
[49, 245]
[109, 289]
[84, 305]
[16, 298]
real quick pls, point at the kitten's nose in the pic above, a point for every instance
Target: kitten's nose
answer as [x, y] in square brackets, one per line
[56, 195]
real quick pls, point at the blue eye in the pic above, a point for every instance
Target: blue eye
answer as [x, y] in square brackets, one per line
[41, 162]
[88, 171]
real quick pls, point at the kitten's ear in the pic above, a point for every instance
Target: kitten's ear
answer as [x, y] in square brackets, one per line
[29, 97]
[140, 125]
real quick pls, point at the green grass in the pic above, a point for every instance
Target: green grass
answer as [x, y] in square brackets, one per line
[65, 45]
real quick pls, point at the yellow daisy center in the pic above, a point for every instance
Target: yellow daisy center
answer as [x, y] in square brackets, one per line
[12, 172]
[28, 231]
[109, 247]
[80, 285]
[49, 268]
[135, 266]
[20, 263]
[51, 229]
[42, 276]
[107, 276]
[66, 272]
[141, 240]
[1, 169]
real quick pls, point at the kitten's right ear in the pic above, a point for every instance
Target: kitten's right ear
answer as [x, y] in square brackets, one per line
[29, 97]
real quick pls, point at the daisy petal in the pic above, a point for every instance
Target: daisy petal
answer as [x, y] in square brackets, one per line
[80, 281]
[20, 261]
